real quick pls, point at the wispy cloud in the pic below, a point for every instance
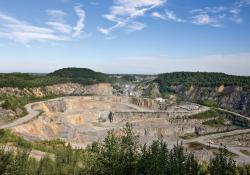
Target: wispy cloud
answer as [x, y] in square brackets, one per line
[54, 30]
[136, 26]
[61, 27]
[205, 19]
[124, 14]
[167, 15]
[216, 16]
[80, 23]
[56, 15]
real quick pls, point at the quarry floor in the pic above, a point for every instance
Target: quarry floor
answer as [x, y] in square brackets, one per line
[83, 120]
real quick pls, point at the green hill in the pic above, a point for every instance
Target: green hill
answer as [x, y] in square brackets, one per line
[200, 79]
[66, 75]
[79, 74]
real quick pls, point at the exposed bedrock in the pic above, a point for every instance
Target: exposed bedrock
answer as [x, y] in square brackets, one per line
[59, 89]
[229, 97]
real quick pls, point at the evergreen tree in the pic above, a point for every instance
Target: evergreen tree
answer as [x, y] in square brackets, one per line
[6, 157]
[116, 155]
[154, 160]
[46, 166]
[19, 165]
[222, 164]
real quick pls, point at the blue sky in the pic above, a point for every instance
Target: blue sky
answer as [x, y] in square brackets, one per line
[125, 36]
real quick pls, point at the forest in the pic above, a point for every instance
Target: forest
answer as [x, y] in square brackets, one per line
[116, 155]
[66, 75]
[200, 79]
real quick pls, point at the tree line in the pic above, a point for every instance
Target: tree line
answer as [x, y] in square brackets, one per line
[200, 79]
[119, 155]
[66, 75]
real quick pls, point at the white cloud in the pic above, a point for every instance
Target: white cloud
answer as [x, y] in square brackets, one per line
[103, 30]
[171, 15]
[205, 19]
[135, 26]
[210, 10]
[244, 2]
[133, 8]
[218, 16]
[125, 12]
[56, 15]
[80, 23]
[168, 15]
[61, 27]
[24, 32]
[55, 30]
[158, 15]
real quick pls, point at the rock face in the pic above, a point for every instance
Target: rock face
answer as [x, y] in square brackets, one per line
[229, 97]
[6, 115]
[59, 89]
[77, 89]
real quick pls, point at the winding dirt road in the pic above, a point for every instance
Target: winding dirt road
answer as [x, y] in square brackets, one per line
[31, 115]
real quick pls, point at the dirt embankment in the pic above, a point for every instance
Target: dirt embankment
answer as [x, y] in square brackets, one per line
[59, 89]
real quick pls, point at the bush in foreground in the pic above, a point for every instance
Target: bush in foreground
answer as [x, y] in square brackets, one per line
[119, 154]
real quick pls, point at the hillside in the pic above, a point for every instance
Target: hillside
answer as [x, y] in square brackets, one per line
[80, 74]
[66, 75]
[227, 91]
[200, 79]
[219, 89]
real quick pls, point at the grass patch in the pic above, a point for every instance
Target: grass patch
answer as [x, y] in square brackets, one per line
[207, 102]
[218, 122]
[50, 146]
[6, 136]
[188, 136]
[14, 103]
[212, 113]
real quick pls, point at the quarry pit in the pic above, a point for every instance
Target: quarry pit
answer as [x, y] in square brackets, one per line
[82, 120]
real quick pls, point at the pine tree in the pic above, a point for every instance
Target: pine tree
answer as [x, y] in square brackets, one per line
[19, 165]
[46, 166]
[154, 160]
[6, 157]
[222, 164]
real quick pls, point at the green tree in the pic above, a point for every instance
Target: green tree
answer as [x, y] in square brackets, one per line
[116, 155]
[46, 166]
[6, 157]
[154, 160]
[222, 164]
[182, 163]
[20, 164]
[243, 170]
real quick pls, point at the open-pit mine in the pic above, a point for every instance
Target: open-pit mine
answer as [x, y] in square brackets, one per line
[82, 120]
